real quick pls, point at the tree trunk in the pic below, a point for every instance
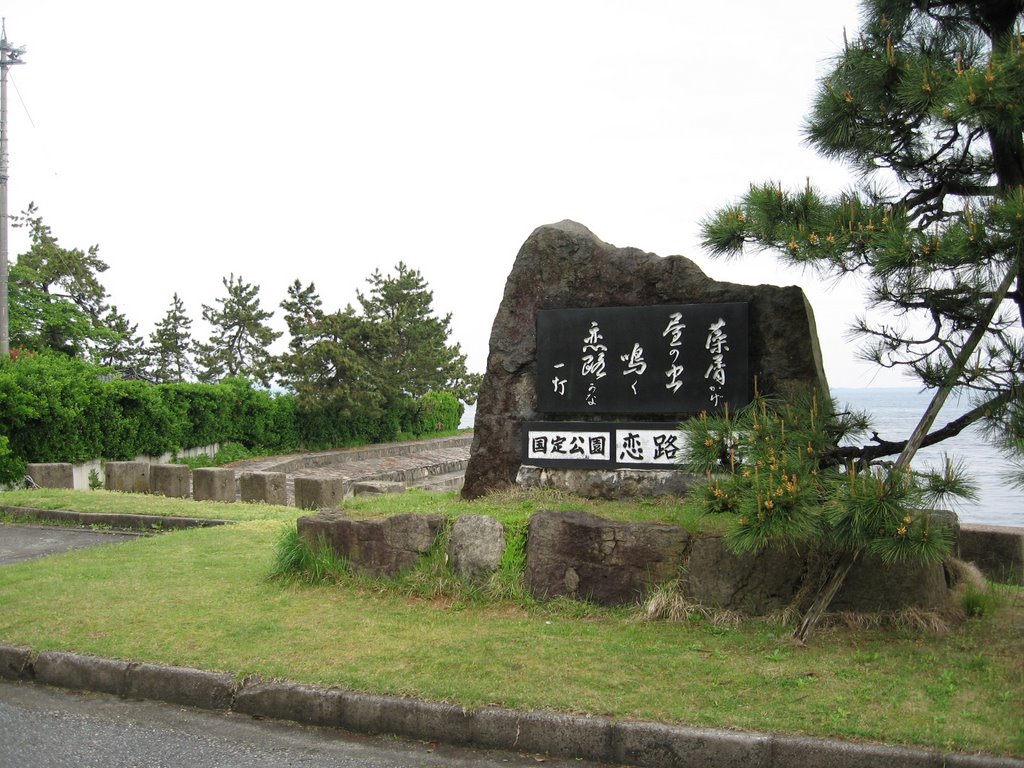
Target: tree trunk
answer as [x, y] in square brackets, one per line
[837, 574]
[825, 594]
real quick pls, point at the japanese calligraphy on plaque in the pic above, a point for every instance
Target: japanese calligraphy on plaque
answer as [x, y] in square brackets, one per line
[682, 358]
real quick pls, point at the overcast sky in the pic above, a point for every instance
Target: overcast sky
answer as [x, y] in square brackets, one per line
[321, 141]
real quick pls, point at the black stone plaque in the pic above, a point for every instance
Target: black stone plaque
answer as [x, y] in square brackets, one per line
[665, 359]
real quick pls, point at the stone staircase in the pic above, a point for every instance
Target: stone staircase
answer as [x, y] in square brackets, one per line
[434, 465]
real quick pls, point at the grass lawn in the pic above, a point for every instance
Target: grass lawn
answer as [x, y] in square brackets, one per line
[202, 598]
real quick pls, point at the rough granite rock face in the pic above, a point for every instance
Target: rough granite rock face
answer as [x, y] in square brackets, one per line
[376, 547]
[564, 265]
[583, 556]
[750, 583]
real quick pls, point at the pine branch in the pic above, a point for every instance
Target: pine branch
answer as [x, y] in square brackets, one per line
[866, 454]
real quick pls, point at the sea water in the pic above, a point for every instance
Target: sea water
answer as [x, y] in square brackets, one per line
[894, 412]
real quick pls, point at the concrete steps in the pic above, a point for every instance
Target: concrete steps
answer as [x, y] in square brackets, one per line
[428, 464]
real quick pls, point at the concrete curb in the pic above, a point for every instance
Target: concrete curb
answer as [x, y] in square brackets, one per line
[114, 520]
[657, 745]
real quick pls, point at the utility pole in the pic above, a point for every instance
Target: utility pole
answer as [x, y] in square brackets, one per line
[9, 55]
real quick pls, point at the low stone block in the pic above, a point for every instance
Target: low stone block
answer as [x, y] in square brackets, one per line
[476, 546]
[583, 556]
[127, 476]
[321, 492]
[377, 487]
[180, 685]
[82, 673]
[264, 487]
[59, 475]
[213, 484]
[377, 547]
[170, 480]
[997, 550]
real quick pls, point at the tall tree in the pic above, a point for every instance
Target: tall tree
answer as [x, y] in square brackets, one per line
[331, 366]
[413, 355]
[927, 104]
[171, 345]
[303, 308]
[240, 340]
[120, 347]
[56, 299]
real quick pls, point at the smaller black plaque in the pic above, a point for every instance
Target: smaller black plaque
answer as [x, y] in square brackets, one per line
[590, 445]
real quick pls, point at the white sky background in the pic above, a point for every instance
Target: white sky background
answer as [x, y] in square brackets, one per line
[320, 141]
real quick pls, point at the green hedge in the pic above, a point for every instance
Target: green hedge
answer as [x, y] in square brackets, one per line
[54, 408]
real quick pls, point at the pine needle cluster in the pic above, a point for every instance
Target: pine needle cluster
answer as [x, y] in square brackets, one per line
[771, 469]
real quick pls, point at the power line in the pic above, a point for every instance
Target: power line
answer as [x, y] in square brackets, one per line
[24, 106]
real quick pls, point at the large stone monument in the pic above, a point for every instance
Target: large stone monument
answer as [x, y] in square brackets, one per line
[597, 350]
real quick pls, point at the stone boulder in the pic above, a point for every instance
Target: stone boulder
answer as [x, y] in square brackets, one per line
[563, 266]
[872, 585]
[768, 581]
[476, 546]
[754, 584]
[583, 556]
[375, 547]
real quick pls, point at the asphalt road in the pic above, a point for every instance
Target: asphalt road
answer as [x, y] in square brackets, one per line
[24, 542]
[42, 727]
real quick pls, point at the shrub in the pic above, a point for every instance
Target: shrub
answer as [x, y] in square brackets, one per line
[12, 469]
[436, 412]
[55, 408]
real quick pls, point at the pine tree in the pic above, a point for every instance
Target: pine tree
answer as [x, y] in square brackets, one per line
[56, 299]
[303, 308]
[413, 356]
[241, 338]
[927, 105]
[171, 345]
[329, 366]
[120, 347]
